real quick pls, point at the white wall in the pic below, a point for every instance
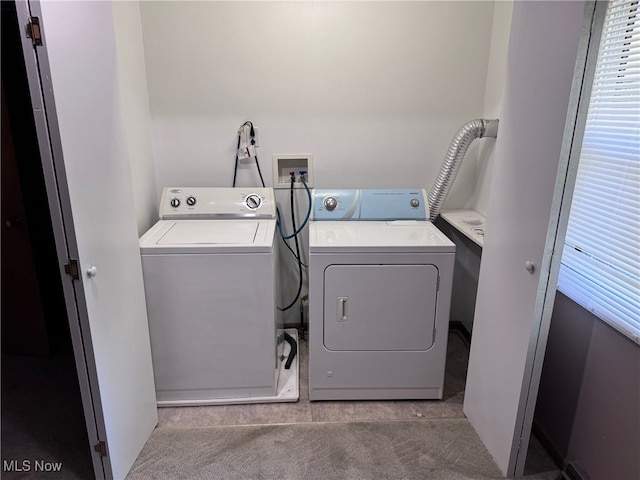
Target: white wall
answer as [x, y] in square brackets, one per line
[135, 111]
[375, 90]
[585, 361]
[479, 201]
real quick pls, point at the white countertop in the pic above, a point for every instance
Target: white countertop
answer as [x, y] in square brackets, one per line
[469, 222]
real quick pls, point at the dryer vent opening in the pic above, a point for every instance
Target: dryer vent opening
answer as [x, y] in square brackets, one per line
[452, 161]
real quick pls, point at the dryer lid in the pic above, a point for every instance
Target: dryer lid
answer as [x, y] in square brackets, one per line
[378, 237]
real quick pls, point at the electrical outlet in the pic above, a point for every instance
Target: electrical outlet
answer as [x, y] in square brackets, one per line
[245, 130]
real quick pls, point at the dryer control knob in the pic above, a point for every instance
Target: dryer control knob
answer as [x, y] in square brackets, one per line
[330, 203]
[175, 202]
[191, 200]
[253, 201]
[415, 202]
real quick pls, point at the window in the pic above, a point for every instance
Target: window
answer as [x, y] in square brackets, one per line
[600, 267]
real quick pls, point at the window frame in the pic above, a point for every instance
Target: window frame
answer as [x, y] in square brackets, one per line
[576, 144]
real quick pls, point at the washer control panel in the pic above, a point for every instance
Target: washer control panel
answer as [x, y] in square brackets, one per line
[217, 203]
[370, 204]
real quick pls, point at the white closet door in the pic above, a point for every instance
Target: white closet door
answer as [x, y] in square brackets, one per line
[540, 66]
[89, 170]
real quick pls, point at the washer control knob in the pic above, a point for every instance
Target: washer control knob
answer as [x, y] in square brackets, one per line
[175, 202]
[191, 200]
[330, 203]
[415, 202]
[253, 201]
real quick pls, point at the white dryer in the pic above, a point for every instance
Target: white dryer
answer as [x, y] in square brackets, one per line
[380, 280]
[210, 276]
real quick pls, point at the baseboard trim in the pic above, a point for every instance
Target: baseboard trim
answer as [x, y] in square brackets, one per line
[573, 472]
[549, 445]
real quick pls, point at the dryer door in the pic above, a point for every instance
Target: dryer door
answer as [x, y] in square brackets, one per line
[380, 307]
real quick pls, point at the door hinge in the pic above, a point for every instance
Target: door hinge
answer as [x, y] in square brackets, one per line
[33, 31]
[72, 269]
[101, 448]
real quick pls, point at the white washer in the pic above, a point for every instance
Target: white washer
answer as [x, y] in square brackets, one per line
[380, 280]
[210, 275]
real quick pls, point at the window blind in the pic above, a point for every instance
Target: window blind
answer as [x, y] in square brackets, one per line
[600, 266]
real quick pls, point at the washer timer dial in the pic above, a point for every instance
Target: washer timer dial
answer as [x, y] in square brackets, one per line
[253, 201]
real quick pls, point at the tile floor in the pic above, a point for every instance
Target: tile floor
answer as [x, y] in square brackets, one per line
[33, 386]
[304, 411]
[539, 464]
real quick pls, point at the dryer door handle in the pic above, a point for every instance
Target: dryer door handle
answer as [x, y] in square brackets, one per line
[342, 309]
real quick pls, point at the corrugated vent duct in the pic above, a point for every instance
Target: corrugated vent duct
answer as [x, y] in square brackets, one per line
[457, 149]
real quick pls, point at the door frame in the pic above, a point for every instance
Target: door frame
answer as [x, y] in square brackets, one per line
[44, 110]
[51, 157]
[589, 42]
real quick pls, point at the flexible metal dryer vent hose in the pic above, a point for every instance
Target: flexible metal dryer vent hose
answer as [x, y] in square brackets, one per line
[451, 164]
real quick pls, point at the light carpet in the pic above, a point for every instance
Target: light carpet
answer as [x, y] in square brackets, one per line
[446, 449]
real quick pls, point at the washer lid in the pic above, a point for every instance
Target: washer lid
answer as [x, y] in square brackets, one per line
[209, 236]
[187, 233]
[378, 237]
